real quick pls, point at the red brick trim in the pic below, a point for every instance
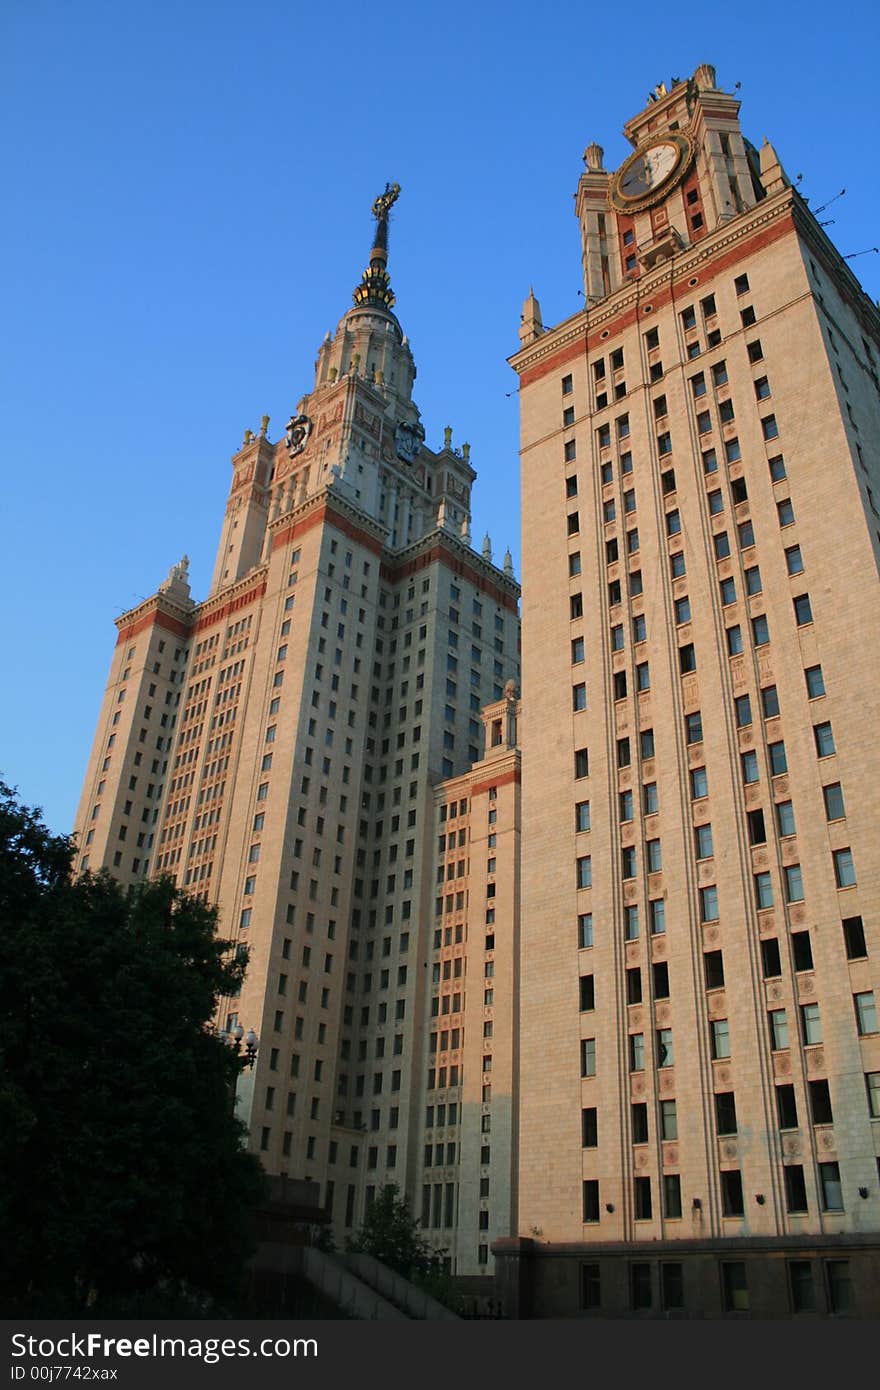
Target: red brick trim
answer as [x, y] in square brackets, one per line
[602, 336]
[155, 619]
[513, 775]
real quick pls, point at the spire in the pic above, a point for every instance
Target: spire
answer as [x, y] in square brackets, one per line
[375, 287]
[530, 325]
[773, 176]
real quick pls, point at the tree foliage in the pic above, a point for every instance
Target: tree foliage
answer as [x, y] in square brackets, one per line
[391, 1234]
[124, 1174]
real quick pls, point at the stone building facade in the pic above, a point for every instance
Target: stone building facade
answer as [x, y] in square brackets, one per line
[699, 1119]
[276, 748]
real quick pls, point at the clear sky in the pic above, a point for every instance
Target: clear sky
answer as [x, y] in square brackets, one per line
[188, 191]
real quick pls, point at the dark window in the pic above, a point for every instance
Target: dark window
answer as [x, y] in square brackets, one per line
[643, 1204]
[786, 1107]
[589, 1127]
[795, 1188]
[591, 1288]
[640, 1284]
[591, 1200]
[854, 937]
[732, 1192]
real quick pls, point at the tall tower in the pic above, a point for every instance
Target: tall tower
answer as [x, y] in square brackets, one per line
[276, 746]
[699, 1048]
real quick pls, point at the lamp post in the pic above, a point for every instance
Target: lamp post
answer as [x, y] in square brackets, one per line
[246, 1058]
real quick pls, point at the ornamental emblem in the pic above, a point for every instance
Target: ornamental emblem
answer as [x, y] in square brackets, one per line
[407, 442]
[299, 427]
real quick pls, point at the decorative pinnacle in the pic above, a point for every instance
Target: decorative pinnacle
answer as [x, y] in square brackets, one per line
[375, 286]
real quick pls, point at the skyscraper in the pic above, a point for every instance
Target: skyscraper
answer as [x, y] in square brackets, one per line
[699, 1046]
[276, 748]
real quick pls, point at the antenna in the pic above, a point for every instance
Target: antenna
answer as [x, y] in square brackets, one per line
[828, 204]
[852, 255]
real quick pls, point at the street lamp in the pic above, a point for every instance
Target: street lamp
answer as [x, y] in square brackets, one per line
[234, 1038]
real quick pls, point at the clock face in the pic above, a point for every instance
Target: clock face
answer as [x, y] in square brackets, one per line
[649, 170]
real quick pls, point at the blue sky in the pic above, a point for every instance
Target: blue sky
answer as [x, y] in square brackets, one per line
[188, 210]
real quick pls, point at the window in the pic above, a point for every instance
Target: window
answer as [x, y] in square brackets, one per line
[844, 868]
[626, 805]
[668, 1120]
[687, 658]
[654, 856]
[713, 969]
[683, 610]
[631, 923]
[795, 1186]
[811, 1024]
[840, 1291]
[803, 1293]
[693, 727]
[722, 545]
[582, 815]
[866, 1013]
[820, 1102]
[567, 386]
[834, 807]
[785, 512]
[677, 565]
[815, 682]
[769, 426]
[794, 560]
[785, 818]
[854, 938]
[628, 861]
[725, 1112]
[749, 763]
[664, 1047]
[585, 930]
[624, 756]
[872, 1087]
[590, 1201]
[657, 914]
[584, 872]
[794, 884]
[579, 697]
[762, 391]
[770, 701]
[771, 965]
[743, 707]
[591, 1288]
[757, 829]
[699, 783]
[589, 1128]
[672, 1195]
[720, 1038]
[777, 757]
[803, 611]
[639, 1123]
[734, 640]
[824, 739]
[709, 904]
[786, 1107]
[646, 743]
[778, 1029]
[732, 1192]
[637, 1052]
[830, 1187]
[763, 891]
[760, 630]
[673, 523]
[588, 1056]
[587, 994]
[728, 591]
[581, 763]
[640, 628]
[643, 1204]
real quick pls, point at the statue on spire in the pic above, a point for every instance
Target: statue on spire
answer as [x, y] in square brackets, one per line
[375, 286]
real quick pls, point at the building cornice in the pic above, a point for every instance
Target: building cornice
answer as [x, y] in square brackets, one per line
[772, 215]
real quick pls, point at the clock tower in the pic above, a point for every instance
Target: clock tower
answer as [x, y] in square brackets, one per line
[690, 171]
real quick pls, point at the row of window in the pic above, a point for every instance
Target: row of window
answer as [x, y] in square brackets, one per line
[662, 1284]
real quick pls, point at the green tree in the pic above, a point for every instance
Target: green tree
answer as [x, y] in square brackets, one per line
[124, 1172]
[391, 1234]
